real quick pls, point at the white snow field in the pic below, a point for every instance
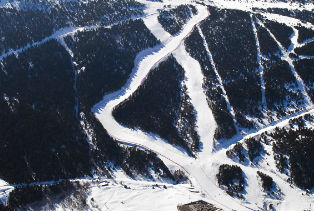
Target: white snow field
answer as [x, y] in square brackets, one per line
[140, 195]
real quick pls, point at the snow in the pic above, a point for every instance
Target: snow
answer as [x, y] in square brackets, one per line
[57, 35]
[248, 5]
[156, 28]
[201, 171]
[305, 57]
[196, 169]
[291, 197]
[144, 62]
[284, 121]
[286, 20]
[205, 121]
[305, 42]
[193, 79]
[140, 196]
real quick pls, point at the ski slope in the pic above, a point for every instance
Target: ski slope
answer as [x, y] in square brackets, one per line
[144, 62]
[202, 170]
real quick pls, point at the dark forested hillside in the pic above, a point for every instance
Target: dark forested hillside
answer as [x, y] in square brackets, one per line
[40, 135]
[47, 129]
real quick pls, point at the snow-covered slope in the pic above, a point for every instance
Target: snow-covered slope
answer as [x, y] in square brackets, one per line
[202, 62]
[206, 163]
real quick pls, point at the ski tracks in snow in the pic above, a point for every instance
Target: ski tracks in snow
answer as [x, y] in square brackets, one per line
[202, 170]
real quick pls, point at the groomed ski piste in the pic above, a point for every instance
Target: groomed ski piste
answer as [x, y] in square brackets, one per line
[203, 169]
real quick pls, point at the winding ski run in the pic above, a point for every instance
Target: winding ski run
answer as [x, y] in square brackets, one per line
[144, 62]
[203, 169]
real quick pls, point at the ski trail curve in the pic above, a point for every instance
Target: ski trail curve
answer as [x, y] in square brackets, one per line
[144, 62]
[206, 125]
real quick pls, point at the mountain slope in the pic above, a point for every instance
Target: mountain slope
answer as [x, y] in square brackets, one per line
[217, 92]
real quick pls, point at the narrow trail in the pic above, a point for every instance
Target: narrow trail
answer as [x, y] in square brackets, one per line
[271, 126]
[286, 20]
[57, 35]
[305, 42]
[224, 93]
[285, 57]
[75, 73]
[260, 66]
[62, 33]
[279, 123]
